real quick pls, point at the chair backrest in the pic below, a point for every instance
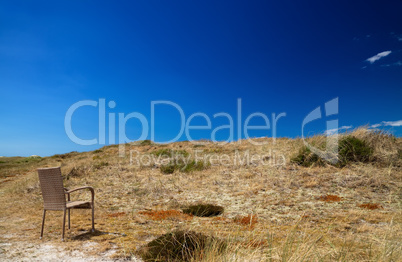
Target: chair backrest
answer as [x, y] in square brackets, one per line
[51, 183]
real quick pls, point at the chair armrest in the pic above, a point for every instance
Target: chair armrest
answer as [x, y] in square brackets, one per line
[80, 188]
[67, 193]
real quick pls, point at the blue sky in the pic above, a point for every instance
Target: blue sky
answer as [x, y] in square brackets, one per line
[276, 56]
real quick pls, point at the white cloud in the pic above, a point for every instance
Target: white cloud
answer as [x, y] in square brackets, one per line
[378, 56]
[388, 123]
[398, 63]
[392, 123]
[335, 130]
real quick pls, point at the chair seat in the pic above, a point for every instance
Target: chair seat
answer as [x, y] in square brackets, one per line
[79, 204]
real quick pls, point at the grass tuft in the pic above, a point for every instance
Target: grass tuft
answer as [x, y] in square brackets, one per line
[307, 158]
[352, 149]
[146, 143]
[204, 210]
[178, 246]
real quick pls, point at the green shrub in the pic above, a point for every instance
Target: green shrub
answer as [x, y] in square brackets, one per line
[146, 143]
[179, 246]
[307, 158]
[169, 169]
[30, 160]
[181, 166]
[97, 151]
[204, 210]
[170, 152]
[352, 149]
[66, 155]
[194, 166]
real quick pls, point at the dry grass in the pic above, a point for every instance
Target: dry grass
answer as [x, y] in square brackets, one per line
[137, 204]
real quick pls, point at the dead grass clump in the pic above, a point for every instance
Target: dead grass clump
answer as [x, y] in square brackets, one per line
[371, 206]
[179, 246]
[166, 214]
[385, 146]
[100, 165]
[204, 210]
[330, 198]
[66, 155]
[75, 172]
[249, 220]
[255, 244]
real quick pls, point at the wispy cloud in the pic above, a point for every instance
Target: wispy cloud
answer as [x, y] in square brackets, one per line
[336, 130]
[387, 123]
[392, 123]
[398, 63]
[378, 56]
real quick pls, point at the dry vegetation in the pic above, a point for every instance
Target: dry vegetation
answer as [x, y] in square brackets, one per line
[275, 212]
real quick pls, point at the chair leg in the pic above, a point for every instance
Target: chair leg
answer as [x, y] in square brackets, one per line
[68, 218]
[43, 223]
[93, 218]
[64, 225]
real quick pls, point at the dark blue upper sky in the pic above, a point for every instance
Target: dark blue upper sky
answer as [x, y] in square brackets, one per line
[277, 56]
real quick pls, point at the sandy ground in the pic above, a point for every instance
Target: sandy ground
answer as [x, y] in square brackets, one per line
[46, 251]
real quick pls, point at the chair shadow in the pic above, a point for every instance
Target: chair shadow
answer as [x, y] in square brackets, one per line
[88, 235]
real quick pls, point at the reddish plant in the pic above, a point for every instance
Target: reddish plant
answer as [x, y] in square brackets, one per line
[118, 214]
[165, 214]
[219, 219]
[371, 206]
[249, 220]
[330, 198]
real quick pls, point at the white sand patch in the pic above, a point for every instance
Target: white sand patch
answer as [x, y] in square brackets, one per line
[24, 251]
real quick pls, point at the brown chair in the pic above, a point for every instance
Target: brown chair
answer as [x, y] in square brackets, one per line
[54, 196]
